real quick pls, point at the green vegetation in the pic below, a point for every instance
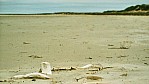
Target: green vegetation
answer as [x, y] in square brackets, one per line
[143, 7]
[132, 10]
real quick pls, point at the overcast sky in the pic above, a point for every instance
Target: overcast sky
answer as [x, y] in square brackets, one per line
[108, 1]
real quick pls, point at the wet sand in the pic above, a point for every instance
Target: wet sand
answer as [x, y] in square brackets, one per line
[119, 42]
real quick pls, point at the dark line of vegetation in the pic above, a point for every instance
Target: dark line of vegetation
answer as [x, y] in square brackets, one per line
[143, 7]
[91, 13]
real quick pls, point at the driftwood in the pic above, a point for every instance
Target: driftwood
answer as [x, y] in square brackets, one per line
[63, 69]
[92, 67]
[31, 76]
[47, 70]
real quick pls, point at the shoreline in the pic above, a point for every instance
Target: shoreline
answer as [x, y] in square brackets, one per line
[90, 13]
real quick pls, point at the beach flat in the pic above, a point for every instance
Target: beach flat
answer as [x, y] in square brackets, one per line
[75, 41]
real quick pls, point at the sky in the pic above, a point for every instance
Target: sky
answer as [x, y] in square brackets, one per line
[48, 6]
[77, 1]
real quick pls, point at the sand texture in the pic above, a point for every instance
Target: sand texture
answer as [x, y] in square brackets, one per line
[119, 43]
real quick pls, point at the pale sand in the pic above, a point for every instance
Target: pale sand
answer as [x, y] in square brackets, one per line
[68, 41]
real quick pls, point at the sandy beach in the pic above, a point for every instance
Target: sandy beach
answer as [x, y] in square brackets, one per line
[119, 43]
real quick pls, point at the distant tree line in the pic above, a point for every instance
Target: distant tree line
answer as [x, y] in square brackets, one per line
[132, 10]
[143, 7]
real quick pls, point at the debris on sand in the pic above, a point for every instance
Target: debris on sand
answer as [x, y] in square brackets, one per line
[26, 43]
[34, 79]
[35, 56]
[109, 57]
[123, 45]
[92, 67]
[107, 67]
[93, 72]
[3, 80]
[110, 45]
[146, 63]
[86, 66]
[95, 83]
[121, 56]
[63, 69]
[35, 75]
[46, 68]
[94, 78]
[79, 78]
[119, 48]
[10, 80]
[146, 57]
[124, 74]
[89, 58]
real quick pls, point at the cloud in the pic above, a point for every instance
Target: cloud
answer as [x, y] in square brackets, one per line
[69, 0]
[76, 1]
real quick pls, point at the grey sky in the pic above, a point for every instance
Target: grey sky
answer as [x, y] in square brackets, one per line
[108, 1]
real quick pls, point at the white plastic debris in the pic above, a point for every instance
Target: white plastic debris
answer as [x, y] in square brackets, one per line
[99, 66]
[37, 75]
[32, 75]
[92, 67]
[18, 76]
[46, 68]
[86, 66]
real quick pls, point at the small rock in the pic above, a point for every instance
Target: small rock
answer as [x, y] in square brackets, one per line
[89, 58]
[110, 45]
[146, 57]
[35, 56]
[124, 74]
[26, 43]
[94, 77]
[40, 71]
[5, 80]
[33, 79]
[109, 57]
[146, 63]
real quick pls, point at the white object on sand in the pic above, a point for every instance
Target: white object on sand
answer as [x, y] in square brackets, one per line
[46, 68]
[86, 66]
[18, 76]
[32, 75]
